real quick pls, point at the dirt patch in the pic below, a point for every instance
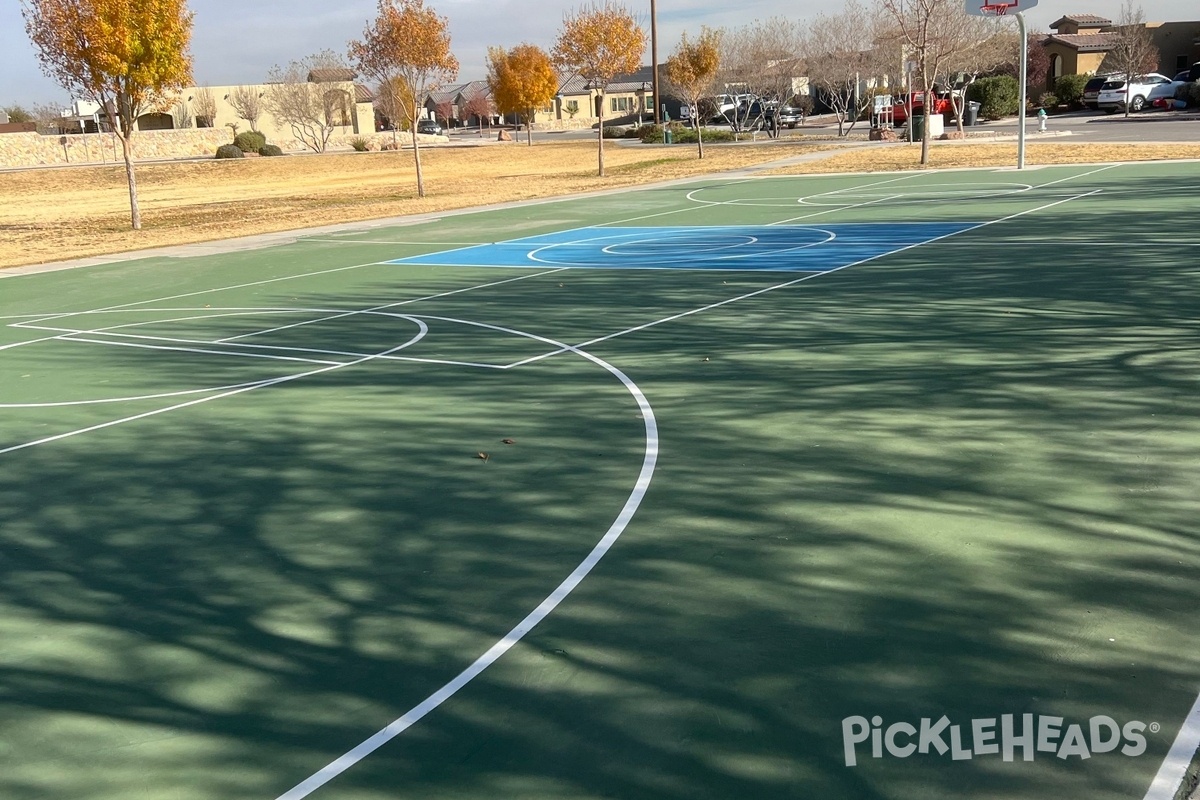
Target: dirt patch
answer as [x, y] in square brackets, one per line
[51, 215]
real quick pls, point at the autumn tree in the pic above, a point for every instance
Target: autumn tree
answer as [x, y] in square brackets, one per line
[301, 104]
[247, 103]
[933, 33]
[126, 57]
[410, 42]
[393, 98]
[599, 42]
[1132, 52]
[522, 80]
[691, 71]
[844, 57]
[445, 110]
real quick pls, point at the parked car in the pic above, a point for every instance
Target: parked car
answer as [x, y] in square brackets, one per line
[1091, 90]
[941, 105]
[430, 126]
[1142, 89]
[790, 116]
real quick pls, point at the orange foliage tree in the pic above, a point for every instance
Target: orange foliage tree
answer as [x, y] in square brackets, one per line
[407, 45]
[126, 57]
[691, 71]
[522, 80]
[600, 42]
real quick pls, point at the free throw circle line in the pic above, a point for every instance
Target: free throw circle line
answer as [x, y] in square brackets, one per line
[369, 745]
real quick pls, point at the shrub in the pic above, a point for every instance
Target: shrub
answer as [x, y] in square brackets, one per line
[1048, 100]
[613, 132]
[360, 144]
[1192, 95]
[653, 134]
[997, 96]
[270, 150]
[249, 141]
[230, 151]
[1069, 89]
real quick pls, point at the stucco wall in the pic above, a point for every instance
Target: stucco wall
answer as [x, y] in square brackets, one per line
[32, 149]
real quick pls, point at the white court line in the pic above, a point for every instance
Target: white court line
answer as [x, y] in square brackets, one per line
[72, 338]
[522, 628]
[1174, 767]
[808, 277]
[376, 241]
[392, 305]
[257, 385]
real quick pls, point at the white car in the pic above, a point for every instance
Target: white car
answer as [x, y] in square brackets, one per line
[1143, 89]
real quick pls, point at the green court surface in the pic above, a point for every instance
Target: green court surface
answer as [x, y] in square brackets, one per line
[788, 454]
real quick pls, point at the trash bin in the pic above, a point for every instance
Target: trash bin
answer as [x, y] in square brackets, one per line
[917, 124]
[668, 138]
[971, 113]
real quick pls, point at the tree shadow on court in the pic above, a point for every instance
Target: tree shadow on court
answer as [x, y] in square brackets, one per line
[956, 481]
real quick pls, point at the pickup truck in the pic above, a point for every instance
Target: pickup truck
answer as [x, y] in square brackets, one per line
[941, 105]
[790, 116]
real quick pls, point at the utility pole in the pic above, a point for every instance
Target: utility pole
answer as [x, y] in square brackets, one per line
[654, 62]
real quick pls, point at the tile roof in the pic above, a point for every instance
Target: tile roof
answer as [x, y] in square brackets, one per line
[1085, 42]
[331, 75]
[628, 82]
[362, 94]
[1087, 20]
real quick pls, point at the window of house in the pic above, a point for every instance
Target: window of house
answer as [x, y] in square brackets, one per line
[619, 103]
[573, 106]
[203, 121]
[1181, 63]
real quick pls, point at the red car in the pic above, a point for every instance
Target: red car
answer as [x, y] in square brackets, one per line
[941, 105]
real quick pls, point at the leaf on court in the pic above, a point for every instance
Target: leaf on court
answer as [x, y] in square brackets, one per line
[509, 441]
[484, 456]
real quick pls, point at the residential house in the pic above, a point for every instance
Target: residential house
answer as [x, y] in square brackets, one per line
[348, 109]
[1081, 41]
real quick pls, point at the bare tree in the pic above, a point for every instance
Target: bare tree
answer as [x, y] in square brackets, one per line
[848, 52]
[764, 59]
[247, 102]
[1133, 52]
[300, 104]
[182, 114]
[480, 106]
[988, 47]
[933, 33]
[204, 104]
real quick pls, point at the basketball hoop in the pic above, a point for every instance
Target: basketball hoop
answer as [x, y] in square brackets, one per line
[998, 9]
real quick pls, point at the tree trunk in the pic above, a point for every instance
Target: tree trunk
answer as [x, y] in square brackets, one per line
[699, 138]
[600, 137]
[135, 213]
[529, 128]
[417, 160]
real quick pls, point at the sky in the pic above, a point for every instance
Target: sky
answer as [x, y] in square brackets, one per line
[235, 42]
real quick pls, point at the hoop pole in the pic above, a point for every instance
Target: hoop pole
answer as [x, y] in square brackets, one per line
[1021, 91]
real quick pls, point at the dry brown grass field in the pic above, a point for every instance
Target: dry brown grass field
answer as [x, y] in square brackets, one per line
[57, 214]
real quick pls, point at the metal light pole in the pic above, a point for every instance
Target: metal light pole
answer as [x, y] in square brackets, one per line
[654, 61]
[1021, 91]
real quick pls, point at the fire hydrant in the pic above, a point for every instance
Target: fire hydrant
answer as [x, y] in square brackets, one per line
[1041, 120]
